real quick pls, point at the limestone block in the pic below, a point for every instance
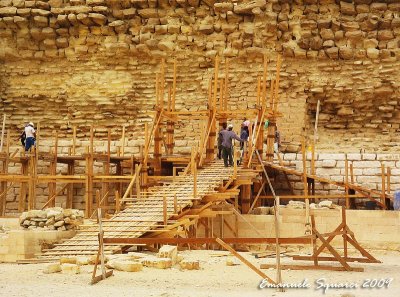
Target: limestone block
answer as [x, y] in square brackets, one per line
[223, 7]
[68, 268]
[329, 163]
[189, 265]
[83, 260]
[160, 263]
[247, 8]
[8, 11]
[52, 268]
[168, 251]
[68, 260]
[126, 265]
[347, 8]
[372, 53]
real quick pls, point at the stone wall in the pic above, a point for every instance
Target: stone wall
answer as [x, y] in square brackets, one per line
[63, 57]
[367, 171]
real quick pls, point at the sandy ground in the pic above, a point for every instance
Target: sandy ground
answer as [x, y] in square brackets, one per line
[214, 279]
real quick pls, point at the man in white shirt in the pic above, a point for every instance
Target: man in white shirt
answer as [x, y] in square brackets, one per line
[30, 134]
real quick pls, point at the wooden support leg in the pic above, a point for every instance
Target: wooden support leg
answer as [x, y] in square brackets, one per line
[70, 187]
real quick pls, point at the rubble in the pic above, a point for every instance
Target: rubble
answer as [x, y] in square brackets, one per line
[52, 219]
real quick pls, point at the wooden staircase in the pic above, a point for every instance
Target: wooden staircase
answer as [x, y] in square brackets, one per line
[146, 217]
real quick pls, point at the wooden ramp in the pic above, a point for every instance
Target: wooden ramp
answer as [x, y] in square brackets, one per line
[147, 214]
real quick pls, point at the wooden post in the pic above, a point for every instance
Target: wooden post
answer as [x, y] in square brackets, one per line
[194, 172]
[105, 187]
[388, 175]
[264, 83]
[137, 172]
[123, 141]
[277, 245]
[117, 202]
[305, 185]
[346, 181]
[2, 133]
[3, 184]
[271, 131]
[383, 195]
[89, 183]
[73, 140]
[53, 171]
[211, 118]
[165, 218]
[226, 80]
[274, 101]
[23, 191]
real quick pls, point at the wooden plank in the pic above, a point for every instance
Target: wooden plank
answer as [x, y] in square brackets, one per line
[200, 240]
[312, 267]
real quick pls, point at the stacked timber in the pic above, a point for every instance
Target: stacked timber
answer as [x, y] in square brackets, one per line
[55, 218]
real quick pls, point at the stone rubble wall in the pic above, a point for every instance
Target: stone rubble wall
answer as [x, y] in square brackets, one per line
[64, 57]
[68, 63]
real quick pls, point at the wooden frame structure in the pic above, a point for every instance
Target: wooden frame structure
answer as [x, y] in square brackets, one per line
[348, 238]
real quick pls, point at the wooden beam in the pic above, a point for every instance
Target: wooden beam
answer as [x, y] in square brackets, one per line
[245, 261]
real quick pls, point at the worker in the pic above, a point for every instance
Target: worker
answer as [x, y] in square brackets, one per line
[244, 135]
[227, 136]
[220, 138]
[30, 135]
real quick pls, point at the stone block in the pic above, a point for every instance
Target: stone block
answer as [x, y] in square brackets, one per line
[68, 268]
[168, 251]
[189, 264]
[68, 260]
[160, 263]
[52, 268]
[127, 265]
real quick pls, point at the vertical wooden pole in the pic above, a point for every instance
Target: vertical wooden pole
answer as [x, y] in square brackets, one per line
[53, 171]
[3, 184]
[70, 187]
[73, 141]
[211, 123]
[162, 83]
[157, 89]
[305, 185]
[98, 199]
[117, 202]
[123, 141]
[226, 81]
[264, 83]
[346, 181]
[194, 172]
[22, 194]
[275, 100]
[2, 133]
[351, 173]
[214, 103]
[165, 217]
[388, 175]
[271, 131]
[277, 245]
[137, 172]
[383, 195]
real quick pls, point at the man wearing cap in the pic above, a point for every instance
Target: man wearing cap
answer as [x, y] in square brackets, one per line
[227, 136]
[30, 136]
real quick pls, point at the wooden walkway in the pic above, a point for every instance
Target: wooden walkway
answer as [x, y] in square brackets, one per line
[147, 214]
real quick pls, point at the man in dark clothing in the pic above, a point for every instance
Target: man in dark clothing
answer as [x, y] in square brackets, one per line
[220, 140]
[227, 136]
